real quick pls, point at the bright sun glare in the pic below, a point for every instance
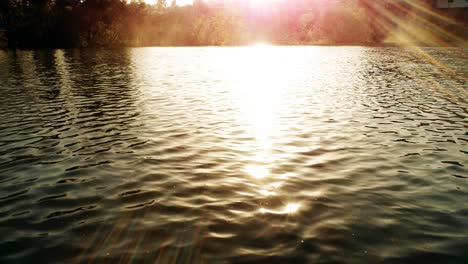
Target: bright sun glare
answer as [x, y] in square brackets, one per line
[179, 2]
[255, 3]
[288, 209]
[257, 172]
[261, 3]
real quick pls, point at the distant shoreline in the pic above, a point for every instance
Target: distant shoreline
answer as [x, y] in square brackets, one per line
[241, 46]
[62, 24]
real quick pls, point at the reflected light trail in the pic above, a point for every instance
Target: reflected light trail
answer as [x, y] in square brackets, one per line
[267, 193]
[261, 78]
[256, 171]
[290, 208]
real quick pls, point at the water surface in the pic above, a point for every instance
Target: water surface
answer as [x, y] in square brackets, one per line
[234, 155]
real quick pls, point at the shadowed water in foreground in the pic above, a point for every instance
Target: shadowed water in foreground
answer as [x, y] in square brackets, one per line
[234, 155]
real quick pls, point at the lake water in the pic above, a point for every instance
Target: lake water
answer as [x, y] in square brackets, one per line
[234, 155]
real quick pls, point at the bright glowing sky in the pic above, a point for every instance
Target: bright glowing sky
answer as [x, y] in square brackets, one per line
[257, 3]
[179, 2]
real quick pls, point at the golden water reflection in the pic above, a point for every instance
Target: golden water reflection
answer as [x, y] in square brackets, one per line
[256, 94]
[256, 171]
[289, 209]
[262, 77]
[196, 157]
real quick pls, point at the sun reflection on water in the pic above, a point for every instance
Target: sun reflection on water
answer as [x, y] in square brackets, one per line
[289, 209]
[261, 82]
[267, 193]
[256, 171]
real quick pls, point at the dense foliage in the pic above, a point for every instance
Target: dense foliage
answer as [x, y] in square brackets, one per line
[84, 23]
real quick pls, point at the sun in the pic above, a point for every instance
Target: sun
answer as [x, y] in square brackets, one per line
[253, 3]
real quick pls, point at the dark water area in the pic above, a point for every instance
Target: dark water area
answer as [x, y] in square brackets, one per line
[234, 155]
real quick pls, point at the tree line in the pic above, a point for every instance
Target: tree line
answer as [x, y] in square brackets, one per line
[90, 23]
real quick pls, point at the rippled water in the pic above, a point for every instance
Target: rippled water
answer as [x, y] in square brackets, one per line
[234, 155]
